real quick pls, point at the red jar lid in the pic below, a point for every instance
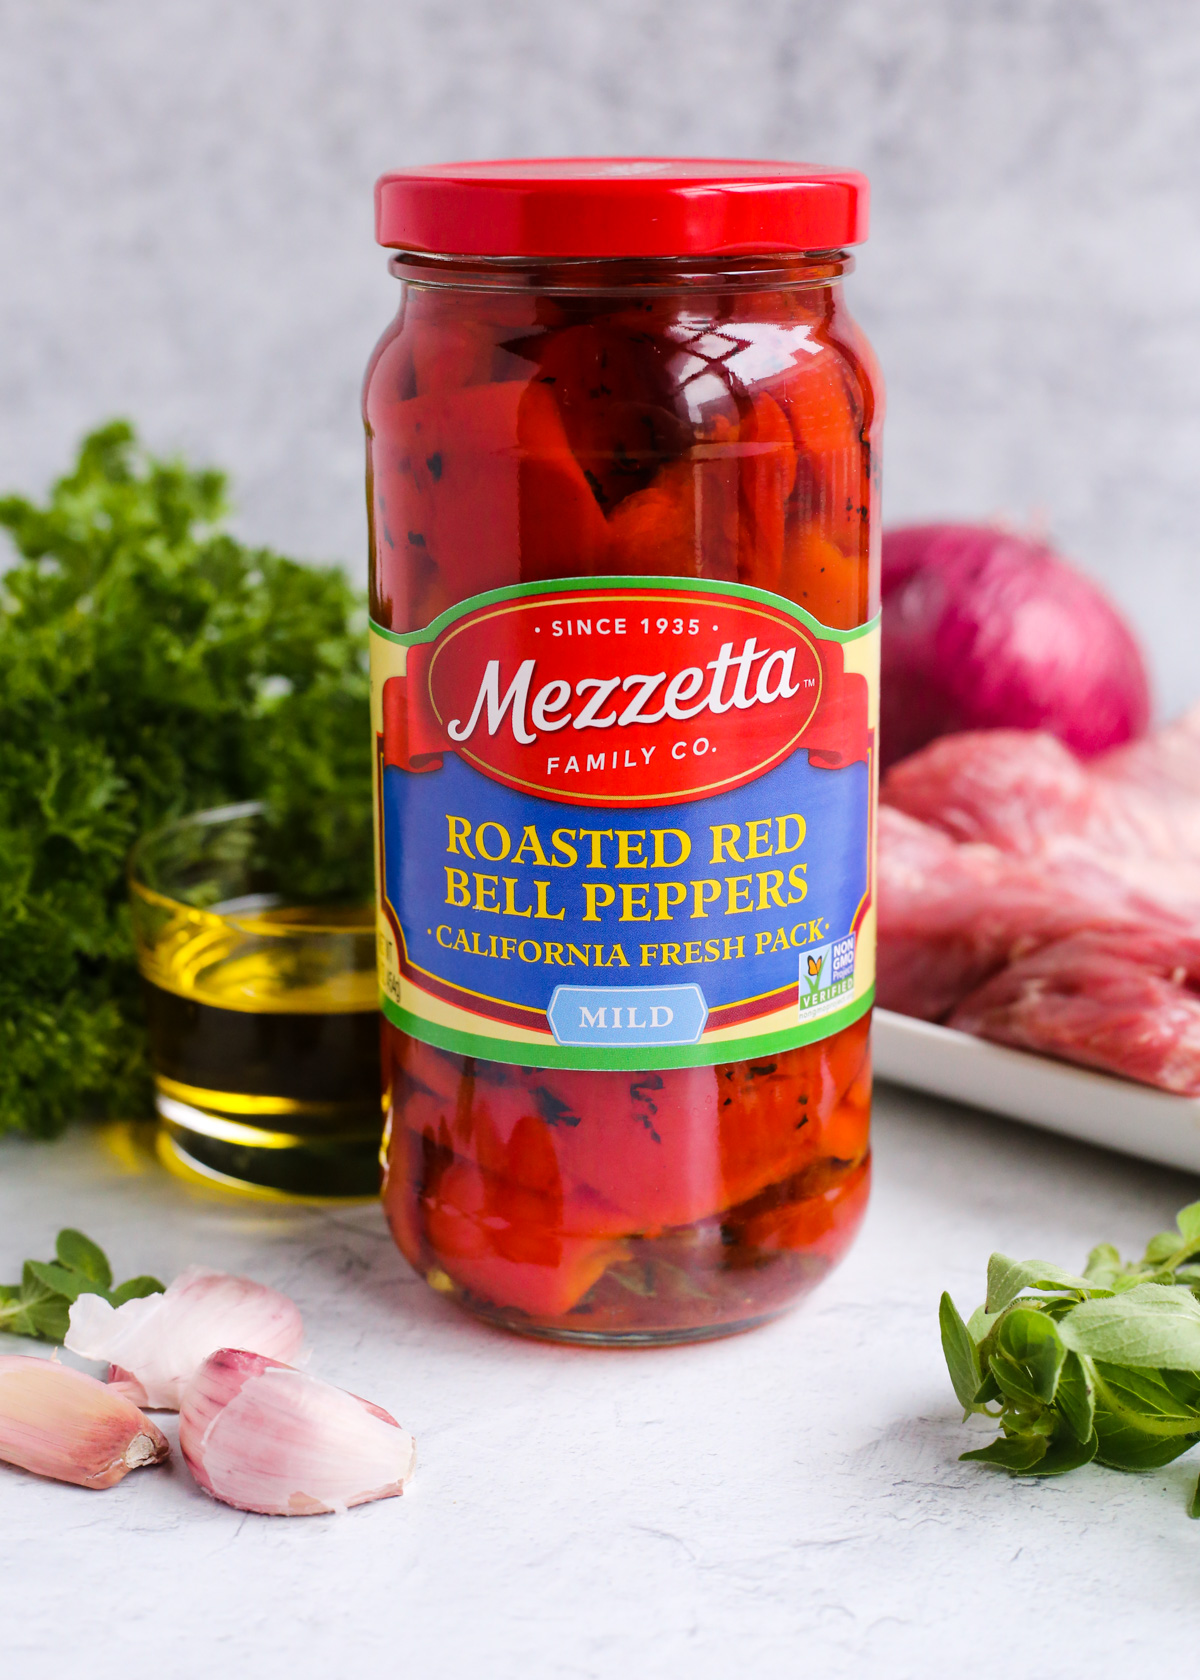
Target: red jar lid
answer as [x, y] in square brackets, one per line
[620, 207]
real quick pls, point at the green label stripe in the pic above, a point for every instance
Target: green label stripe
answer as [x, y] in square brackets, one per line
[654, 1058]
[685, 586]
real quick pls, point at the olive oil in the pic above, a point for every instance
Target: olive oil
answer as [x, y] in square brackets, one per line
[264, 1038]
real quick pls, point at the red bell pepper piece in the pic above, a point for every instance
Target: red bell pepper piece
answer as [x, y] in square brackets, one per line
[768, 475]
[443, 474]
[823, 579]
[448, 355]
[828, 414]
[816, 398]
[562, 530]
[684, 524]
[615, 394]
[822, 1223]
[525, 1263]
[614, 1155]
[784, 1112]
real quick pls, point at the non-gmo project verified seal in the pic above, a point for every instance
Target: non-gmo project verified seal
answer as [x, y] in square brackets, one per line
[826, 974]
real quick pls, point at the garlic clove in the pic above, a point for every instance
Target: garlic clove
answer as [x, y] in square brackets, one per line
[155, 1345]
[58, 1422]
[264, 1437]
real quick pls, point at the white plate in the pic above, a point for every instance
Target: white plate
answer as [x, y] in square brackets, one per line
[1114, 1113]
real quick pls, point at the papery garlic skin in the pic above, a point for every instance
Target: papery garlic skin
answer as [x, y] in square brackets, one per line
[155, 1345]
[264, 1437]
[60, 1423]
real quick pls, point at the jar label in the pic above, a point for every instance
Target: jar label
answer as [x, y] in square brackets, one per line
[625, 823]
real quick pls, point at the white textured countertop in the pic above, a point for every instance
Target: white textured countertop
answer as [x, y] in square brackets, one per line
[783, 1504]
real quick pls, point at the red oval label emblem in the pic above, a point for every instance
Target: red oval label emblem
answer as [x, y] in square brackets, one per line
[617, 696]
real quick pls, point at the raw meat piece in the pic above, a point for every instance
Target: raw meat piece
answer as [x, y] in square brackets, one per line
[1025, 792]
[1166, 763]
[933, 896]
[1157, 785]
[1040, 903]
[949, 915]
[1007, 786]
[1126, 1001]
[1159, 889]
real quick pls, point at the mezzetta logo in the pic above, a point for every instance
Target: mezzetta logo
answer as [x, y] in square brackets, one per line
[754, 677]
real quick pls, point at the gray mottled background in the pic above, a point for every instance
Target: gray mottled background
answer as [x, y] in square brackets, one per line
[185, 198]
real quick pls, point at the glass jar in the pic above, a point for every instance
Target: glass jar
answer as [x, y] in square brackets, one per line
[622, 464]
[261, 1012]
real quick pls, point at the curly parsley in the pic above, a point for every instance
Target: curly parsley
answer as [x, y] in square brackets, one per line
[150, 665]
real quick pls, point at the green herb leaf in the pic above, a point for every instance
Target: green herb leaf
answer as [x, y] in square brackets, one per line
[1188, 1221]
[1007, 1278]
[989, 1390]
[1013, 1381]
[1194, 1507]
[14, 1312]
[40, 1305]
[60, 1280]
[1010, 1452]
[50, 1318]
[1032, 1342]
[1160, 1401]
[1103, 1264]
[980, 1323]
[1066, 1452]
[82, 1255]
[1147, 1327]
[1162, 1247]
[1123, 1446]
[962, 1358]
[1076, 1397]
[135, 1289]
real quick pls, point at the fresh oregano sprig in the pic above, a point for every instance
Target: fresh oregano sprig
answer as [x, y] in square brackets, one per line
[1102, 1367]
[40, 1305]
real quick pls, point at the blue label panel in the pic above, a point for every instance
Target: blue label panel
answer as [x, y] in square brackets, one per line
[510, 897]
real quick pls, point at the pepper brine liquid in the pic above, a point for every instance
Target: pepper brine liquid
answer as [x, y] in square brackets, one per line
[624, 596]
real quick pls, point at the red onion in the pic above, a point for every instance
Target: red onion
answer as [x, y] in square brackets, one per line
[985, 630]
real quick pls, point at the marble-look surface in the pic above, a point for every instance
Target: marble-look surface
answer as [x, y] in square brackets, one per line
[782, 1504]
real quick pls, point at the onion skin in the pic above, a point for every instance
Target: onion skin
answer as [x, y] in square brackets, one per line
[985, 630]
